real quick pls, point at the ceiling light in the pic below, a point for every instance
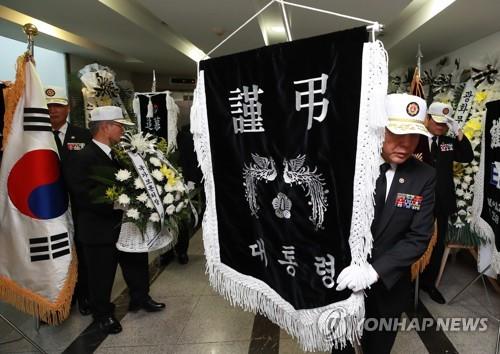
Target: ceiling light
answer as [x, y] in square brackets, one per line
[13, 16]
[278, 29]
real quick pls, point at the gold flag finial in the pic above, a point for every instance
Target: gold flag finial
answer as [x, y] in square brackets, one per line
[31, 31]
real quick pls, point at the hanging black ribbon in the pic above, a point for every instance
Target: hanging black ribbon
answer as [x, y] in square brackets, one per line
[106, 87]
[427, 78]
[395, 80]
[489, 74]
[442, 83]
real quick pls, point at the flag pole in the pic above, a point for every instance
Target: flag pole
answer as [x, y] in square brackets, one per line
[31, 31]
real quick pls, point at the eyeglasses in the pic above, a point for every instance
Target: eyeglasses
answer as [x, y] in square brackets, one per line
[117, 124]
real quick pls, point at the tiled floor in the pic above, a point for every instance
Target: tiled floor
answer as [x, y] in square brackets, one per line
[197, 320]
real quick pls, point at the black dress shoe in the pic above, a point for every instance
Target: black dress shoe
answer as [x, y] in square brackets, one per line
[109, 325]
[167, 257]
[434, 294]
[84, 307]
[182, 258]
[149, 305]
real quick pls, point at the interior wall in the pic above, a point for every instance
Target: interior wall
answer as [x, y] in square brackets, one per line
[51, 65]
[476, 54]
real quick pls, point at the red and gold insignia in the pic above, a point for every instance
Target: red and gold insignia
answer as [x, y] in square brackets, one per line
[412, 109]
[446, 110]
[50, 92]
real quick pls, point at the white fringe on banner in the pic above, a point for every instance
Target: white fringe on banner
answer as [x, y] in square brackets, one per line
[334, 324]
[477, 223]
[173, 112]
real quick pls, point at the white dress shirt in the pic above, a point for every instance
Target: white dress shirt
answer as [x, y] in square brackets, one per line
[62, 132]
[104, 147]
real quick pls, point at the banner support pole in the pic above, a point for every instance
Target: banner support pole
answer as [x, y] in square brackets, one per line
[28, 339]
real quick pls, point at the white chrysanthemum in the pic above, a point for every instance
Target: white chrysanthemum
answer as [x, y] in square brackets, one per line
[138, 184]
[468, 170]
[190, 186]
[456, 180]
[467, 179]
[143, 197]
[461, 203]
[149, 204]
[133, 213]
[157, 175]
[154, 217]
[123, 199]
[177, 196]
[170, 209]
[142, 145]
[123, 175]
[179, 187]
[475, 168]
[460, 192]
[155, 161]
[169, 199]
[179, 207]
[169, 188]
[468, 196]
[464, 185]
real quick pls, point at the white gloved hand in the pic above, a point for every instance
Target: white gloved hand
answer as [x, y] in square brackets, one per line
[357, 277]
[453, 124]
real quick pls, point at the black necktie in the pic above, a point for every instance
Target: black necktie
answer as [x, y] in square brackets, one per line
[112, 154]
[434, 150]
[380, 190]
[58, 140]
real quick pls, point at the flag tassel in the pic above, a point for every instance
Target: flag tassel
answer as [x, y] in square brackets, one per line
[33, 304]
[12, 95]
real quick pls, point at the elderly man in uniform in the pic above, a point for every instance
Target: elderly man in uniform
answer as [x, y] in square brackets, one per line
[99, 224]
[69, 139]
[440, 151]
[402, 226]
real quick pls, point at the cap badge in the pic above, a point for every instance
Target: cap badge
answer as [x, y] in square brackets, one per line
[50, 92]
[446, 110]
[412, 109]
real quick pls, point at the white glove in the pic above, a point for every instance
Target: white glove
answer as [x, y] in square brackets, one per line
[357, 277]
[453, 124]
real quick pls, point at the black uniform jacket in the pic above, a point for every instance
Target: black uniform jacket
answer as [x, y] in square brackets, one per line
[402, 233]
[449, 150]
[98, 223]
[75, 140]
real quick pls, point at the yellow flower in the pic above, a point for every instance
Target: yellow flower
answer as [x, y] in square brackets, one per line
[167, 172]
[170, 174]
[172, 181]
[111, 193]
[480, 96]
[471, 127]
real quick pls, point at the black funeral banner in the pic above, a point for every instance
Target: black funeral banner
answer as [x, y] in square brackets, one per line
[154, 113]
[278, 157]
[491, 195]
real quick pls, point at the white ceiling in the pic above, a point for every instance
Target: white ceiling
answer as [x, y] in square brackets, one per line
[145, 34]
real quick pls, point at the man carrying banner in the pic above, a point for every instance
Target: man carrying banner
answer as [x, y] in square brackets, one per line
[440, 151]
[402, 226]
[99, 224]
[69, 139]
